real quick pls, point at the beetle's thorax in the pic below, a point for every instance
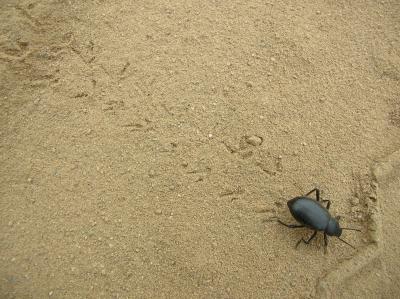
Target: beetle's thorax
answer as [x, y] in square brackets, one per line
[333, 228]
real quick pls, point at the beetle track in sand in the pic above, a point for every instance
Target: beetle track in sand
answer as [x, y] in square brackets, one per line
[348, 269]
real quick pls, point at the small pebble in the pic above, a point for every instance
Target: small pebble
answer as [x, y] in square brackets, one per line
[355, 201]
[106, 107]
[50, 293]
[30, 180]
[254, 140]
[158, 212]
[354, 209]
[152, 173]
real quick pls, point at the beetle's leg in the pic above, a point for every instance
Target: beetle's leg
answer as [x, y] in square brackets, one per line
[328, 203]
[325, 243]
[316, 190]
[307, 241]
[291, 225]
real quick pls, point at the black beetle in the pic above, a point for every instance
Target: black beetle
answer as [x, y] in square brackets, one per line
[312, 214]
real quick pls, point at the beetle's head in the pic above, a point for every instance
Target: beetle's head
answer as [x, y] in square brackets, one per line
[333, 228]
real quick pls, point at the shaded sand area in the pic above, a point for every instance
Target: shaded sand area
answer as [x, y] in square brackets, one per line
[143, 145]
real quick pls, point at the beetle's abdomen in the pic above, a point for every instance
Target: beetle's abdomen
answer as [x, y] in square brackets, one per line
[309, 212]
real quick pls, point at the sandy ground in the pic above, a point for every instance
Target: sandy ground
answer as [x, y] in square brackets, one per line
[143, 145]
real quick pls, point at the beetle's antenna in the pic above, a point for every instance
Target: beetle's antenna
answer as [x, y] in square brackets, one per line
[351, 229]
[346, 243]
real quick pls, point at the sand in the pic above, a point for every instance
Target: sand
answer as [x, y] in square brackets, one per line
[146, 146]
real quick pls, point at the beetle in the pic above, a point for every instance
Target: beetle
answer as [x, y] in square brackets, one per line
[312, 214]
